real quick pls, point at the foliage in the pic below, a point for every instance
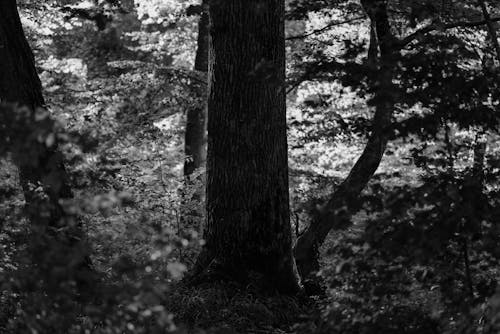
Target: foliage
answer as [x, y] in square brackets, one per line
[420, 256]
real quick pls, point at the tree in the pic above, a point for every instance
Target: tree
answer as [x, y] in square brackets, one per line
[40, 164]
[196, 120]
[248, 232]
[336, 211]
[196, 117]
[491, 28]
[391, 64]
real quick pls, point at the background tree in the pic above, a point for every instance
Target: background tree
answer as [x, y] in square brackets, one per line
[195, 136]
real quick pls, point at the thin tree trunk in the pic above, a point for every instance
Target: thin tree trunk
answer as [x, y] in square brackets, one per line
[372, 57]
[248, 232]
[336, 212]
[479, 156]
[196, 117]
[480, 144]
[196, 123]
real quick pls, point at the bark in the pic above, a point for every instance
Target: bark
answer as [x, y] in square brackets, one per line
[20, 84]
[248, 232]
[372, 58]
[337, 211]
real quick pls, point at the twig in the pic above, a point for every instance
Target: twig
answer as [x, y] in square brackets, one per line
[437, 26]
[328, 26]
[491, 28]
[468, 276]
[297, 224]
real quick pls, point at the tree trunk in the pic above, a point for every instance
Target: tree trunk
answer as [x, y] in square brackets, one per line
[19, 83]
[196, 117]
[372, 57]
[248, 232]
[196, 125]
[337, 211]
[43, 165]
[479, 157]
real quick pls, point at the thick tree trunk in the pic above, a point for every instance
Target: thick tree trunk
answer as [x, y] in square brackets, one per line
[248, 232]
[20, 84]
[337, 212]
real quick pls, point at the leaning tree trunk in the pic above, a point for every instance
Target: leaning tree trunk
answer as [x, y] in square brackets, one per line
[19, 83]
[248, 232]
[196, 125]
[336, 212]
[43, 166]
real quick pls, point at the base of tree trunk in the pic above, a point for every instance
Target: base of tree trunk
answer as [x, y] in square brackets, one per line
[209, 269]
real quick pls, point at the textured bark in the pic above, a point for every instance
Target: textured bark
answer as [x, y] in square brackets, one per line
[372, 57]
[479, 157]
[248, 232]
[336, 212]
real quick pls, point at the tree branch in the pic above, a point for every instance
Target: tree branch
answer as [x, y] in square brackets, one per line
[491, 28]
[436, 26]
[328, 26]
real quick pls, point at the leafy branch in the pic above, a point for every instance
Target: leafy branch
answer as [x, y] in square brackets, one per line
[440, 27]
[328, 26]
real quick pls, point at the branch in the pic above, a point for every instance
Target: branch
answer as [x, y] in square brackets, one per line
[328, 26]
[433, 27]
[491, 28]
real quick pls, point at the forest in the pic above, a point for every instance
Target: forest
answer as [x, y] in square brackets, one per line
[249, 166]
